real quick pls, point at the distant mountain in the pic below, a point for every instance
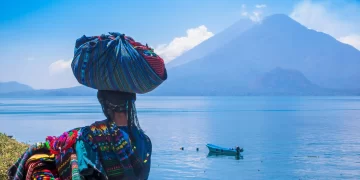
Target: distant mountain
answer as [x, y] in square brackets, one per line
[281, 41]
[13, 86]
[278, 41]
[278, 56]
[281, 81]
[212, 43]
[73, 91]
[278, 81]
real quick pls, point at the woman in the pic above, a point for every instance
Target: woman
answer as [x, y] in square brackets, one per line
[115, 148]
[112, 149]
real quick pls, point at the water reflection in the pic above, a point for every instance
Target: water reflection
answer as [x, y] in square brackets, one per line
[217, 155]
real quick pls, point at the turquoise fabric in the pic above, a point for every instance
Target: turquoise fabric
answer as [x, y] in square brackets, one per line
[87, 159]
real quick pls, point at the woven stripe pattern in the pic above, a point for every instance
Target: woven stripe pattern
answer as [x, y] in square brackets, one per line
[116, 155]
[111, 62]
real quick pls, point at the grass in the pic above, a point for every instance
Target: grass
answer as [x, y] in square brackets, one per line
[10, 151]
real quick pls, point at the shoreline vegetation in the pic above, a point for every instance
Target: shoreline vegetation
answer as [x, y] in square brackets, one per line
[10, 151]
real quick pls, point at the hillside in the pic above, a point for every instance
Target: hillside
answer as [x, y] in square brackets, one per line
[212, 43]
[278, 41]
[10, 151]
[13, 86]
[281, 81]
[73, 91]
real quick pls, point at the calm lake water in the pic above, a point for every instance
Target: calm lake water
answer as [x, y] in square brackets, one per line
[283, 137]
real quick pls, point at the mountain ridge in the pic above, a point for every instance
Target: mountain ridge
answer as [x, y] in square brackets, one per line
[278, 56]
[212, 43]
[278, 41]
[13, 86]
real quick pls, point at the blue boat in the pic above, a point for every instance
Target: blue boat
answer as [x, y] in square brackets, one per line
[225, 151]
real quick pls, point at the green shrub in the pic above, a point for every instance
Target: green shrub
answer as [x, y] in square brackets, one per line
[10, 151]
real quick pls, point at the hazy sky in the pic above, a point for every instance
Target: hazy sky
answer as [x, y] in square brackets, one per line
[38, 36]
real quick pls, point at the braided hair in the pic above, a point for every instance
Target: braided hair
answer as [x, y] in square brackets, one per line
[116, 101]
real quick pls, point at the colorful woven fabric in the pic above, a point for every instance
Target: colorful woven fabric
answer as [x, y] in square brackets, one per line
[36, 161]
[54, 159]
[41, 158]
[111, 62]
[44, 174]
[63, 149]
[107, 153]
[18, 171]
[42, 170]
[63, 164]
[63, 142]
[32, 167]
[74, 167]
[110, 151]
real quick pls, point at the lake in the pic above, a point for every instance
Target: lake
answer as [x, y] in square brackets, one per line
[282, 137]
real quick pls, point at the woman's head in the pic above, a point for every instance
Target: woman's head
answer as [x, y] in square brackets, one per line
[121, 102]
[115, 102]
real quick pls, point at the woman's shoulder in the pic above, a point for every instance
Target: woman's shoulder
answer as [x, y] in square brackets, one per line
[96, 127]
[143, 143]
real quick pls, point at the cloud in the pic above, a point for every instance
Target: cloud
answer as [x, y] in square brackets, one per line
[244, 13]
[179, 45]
[59, 66]
[340, 22]
[30, 58]
[353, 40]
[256, 15]
[259, 6]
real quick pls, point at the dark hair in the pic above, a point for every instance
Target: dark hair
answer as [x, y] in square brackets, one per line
[117, 101]
[114, 101]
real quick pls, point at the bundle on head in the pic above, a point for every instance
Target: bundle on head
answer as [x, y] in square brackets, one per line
[117, 62]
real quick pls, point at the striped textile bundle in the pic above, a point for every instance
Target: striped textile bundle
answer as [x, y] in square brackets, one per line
[18, 171]
[53, 160]
[38, 162]
[117, 62]
[44, 174]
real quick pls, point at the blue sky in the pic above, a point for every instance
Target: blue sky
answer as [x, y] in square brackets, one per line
[38, 36]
